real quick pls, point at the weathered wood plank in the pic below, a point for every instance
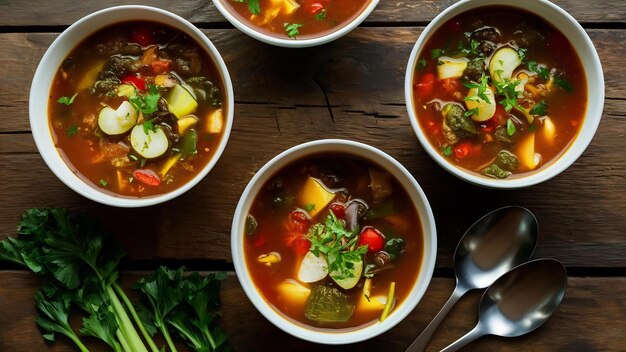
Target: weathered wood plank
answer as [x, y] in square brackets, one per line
[58, 12]
[587, 320]
[588, 232]
[369, 79]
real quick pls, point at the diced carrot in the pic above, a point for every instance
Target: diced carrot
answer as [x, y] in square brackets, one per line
[161, 66]
[149, 55]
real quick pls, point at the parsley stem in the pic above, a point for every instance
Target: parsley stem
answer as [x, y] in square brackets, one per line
[168, 339]
[133, 339]
[72, 336]
[133, 313]
[123, 342]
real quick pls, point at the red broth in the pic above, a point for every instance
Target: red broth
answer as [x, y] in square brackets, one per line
[300, 19]
[277, 229]
[554, 96]
[139, 65]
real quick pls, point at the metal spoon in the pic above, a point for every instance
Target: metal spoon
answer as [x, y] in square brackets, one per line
[518, 302]
[498, 242]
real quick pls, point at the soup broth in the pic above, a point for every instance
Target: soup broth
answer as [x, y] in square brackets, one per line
[136, 109]
[499, 91]
[290, 218]
[298, 19]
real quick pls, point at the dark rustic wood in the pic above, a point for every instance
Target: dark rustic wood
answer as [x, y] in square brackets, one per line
[587, 320]
[352, 89]
[59, 12]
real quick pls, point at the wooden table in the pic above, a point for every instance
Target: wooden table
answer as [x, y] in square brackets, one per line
[353, 89]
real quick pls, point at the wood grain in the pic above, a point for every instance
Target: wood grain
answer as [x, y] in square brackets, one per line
[586, 321]
[62, 13]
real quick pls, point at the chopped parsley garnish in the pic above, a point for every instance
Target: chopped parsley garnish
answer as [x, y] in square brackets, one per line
[72, 130]
[447, 151]
[291, 29]
[147, 103]
[148, 126]
[506, 88]
[421, 64]
[133, 157]
[104, 183]
[436, 53]
[143, 162]
[521, 52]
[471, 112]
[563, 83]
[541, 71]
[510, 127]
[320, 16]
[67, 100]
[480, 87]
[253, 6]
[309, 207]
[540, 108]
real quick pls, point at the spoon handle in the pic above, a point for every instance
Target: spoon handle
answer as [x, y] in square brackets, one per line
[475, 333]
[421, 342]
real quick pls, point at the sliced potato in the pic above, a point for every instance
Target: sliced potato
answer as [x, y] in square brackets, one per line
[215, 121]
[315, 195]
[503, 62]
[374, 303]
[486, 109]
[289, 6]
[312, 268]
[349, 282]
[548, 130]
[180, 101]
[526, 152]
[186, 123]
[149, 145]
[293, 291]
[451, 68]
[115, 122]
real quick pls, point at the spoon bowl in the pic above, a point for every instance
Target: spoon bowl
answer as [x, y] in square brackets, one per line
[519, 302]
[493, 245]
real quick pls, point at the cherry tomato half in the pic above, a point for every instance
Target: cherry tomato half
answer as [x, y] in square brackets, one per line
[315, 8]
[147, 177]
[426, 85]
[138, 82]
[301, 245]
[339, 210]
[143, 36]
[372, 238]
[462, 150]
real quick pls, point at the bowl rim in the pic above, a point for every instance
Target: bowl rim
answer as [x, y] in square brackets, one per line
[295, 43]
[43, 134]
[416, 194]
[591, 120]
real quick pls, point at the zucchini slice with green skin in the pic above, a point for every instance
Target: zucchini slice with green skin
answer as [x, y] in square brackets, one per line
[116, 122]
[149, 145]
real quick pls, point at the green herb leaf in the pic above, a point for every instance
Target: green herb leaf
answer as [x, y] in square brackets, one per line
[67, 100]
[320, 16]
[540, 108]
[436, 53]
[148, 126]
[541, 71]
[104, 183]
[563, 83]
[447, 151]
[309, 207]
[292, 29]
[510, 127]
[421, 64]
[72, 130]
[147, 103]
[521, 52]
[253, 6]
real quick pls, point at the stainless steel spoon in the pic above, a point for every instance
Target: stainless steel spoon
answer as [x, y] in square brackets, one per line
[498, 242]
[518, 302]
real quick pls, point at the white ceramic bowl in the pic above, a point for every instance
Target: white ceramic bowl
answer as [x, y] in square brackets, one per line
[251, 30]
[343, 147]
[595, 89]
[50, 63]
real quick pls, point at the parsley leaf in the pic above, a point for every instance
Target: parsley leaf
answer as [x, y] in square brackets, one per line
[541, 71]
[67, 100]
[510, 127]
[253, 6]
[471, 112]
[540, 108]
[104, 183]
[447, 151]
[291, 29]
[72, 130]
[148, 126]
[309, 207]
[320, 16]
[436, 53]
[147, 103]
[563, 83]
[421, 64]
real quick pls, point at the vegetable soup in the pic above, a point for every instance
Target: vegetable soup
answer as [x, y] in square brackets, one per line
[333, 242]
[297, 18]
[499, 91]
[136, 109]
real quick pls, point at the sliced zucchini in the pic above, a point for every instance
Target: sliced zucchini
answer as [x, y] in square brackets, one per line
[451, 68]
[485, 109]
[180, 101]
[115, 122]
[149, 145]
[503, 62]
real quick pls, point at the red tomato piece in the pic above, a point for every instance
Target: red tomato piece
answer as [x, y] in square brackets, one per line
[449, 86]
[138, 82]
[143, 36]
[433, 128]
[339, 210]
[372, 238]
[147, 177]
[426, 85]
[315, 8]
[160, 66]
[462, 150]
[301, 245]
[299, 221]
